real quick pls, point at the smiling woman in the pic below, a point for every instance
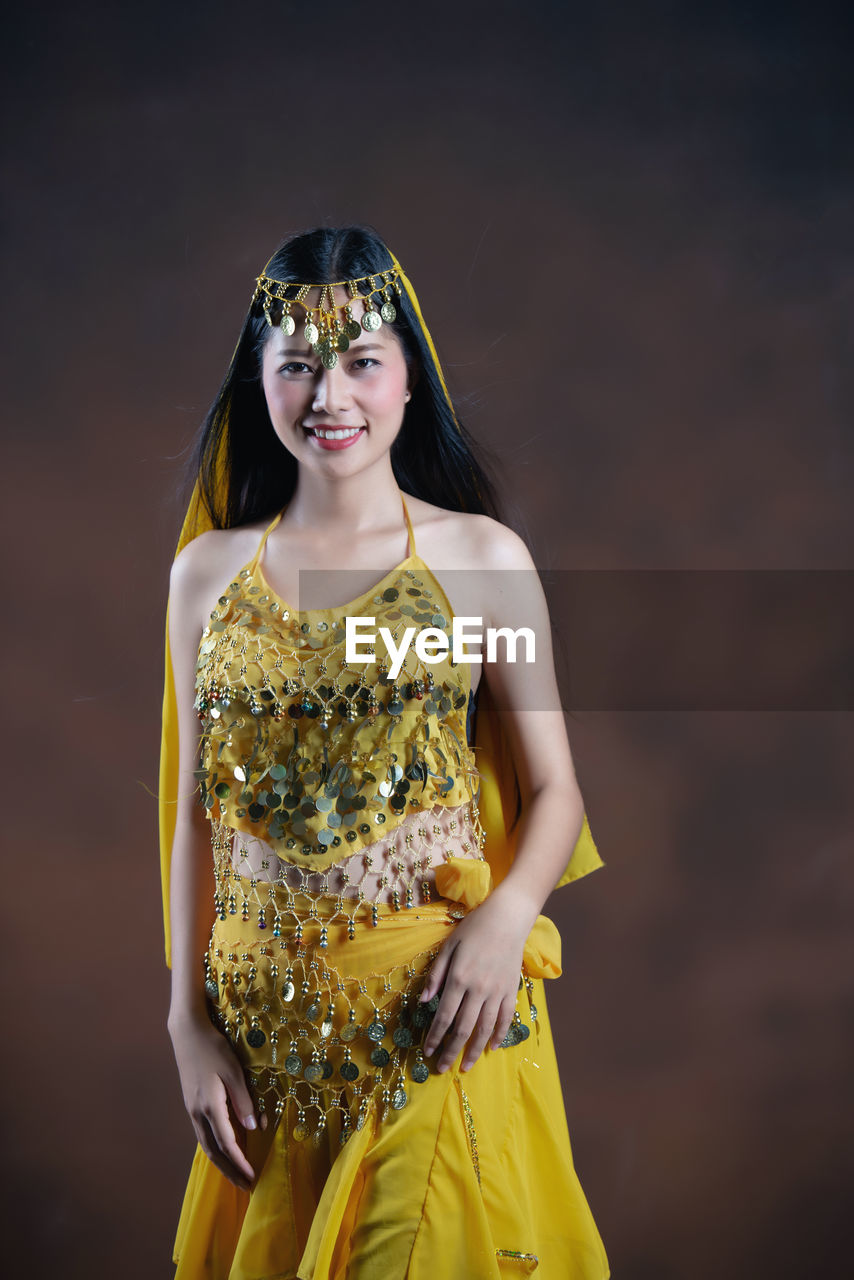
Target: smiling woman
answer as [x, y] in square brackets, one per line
[355, 853]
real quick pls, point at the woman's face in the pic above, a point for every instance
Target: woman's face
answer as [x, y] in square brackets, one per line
[361, 401]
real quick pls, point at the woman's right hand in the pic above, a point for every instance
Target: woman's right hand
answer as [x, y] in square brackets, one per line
[211, 1077]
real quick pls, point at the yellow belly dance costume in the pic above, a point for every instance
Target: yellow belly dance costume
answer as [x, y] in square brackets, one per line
[308, 766]
[355, 819]
[321, 945]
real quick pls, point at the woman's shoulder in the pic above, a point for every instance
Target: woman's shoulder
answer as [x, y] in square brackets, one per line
[466, 538]
[216, 554]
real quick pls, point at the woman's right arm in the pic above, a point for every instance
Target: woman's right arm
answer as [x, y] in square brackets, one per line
[211, 1074]
[191, 875]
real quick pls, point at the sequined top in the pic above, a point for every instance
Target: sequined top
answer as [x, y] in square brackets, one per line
[317, 758]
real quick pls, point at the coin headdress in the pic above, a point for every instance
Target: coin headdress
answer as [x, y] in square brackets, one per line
[329, 328]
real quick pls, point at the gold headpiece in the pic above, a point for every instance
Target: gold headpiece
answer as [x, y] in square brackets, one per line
[330, 327]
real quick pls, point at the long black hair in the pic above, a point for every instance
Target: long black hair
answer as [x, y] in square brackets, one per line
[433, 456]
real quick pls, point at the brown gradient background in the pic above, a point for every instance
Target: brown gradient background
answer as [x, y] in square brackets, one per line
[632, 236]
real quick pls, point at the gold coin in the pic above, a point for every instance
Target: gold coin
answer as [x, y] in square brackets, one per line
[310, 333]
[388, 312]
[287, 325]
[300, 1132]
[329, 359]
[342, 342]
[371, 321]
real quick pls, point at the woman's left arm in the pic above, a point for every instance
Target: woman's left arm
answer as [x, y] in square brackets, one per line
[477, 969]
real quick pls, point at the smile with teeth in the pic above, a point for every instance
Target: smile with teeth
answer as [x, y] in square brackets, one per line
[342, 434]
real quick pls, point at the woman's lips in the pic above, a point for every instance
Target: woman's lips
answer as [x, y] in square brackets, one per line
[341, 442]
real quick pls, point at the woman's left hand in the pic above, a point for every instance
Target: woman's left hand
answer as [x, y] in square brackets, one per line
[479, 965]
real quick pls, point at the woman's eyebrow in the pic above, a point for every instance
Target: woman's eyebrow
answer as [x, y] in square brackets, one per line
[300, 351]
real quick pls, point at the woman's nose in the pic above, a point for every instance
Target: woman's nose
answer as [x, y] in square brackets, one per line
[330, 393]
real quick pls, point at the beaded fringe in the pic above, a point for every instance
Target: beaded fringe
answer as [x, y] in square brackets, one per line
[312, 1037]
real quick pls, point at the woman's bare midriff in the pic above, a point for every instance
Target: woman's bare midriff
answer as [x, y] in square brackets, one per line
[408, 855]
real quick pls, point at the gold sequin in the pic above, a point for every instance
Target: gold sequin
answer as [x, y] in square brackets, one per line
[472, 1136]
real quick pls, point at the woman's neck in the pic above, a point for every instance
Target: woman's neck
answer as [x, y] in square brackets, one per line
[351, 505]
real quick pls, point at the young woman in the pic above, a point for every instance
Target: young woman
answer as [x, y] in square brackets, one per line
[358, 1013]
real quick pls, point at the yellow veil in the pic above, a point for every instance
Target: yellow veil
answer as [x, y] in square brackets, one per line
[492, 751]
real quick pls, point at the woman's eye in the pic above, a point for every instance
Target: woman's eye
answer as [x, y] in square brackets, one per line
[299, 367]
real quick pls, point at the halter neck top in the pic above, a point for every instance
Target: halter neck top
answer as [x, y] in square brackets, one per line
[317, 757]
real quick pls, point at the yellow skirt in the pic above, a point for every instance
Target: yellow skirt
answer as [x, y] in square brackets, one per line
[472, 1179]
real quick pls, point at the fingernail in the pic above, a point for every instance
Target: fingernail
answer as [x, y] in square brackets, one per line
[249, 1122]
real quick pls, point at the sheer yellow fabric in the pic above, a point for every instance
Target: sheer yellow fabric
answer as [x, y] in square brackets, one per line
[473, 1180]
